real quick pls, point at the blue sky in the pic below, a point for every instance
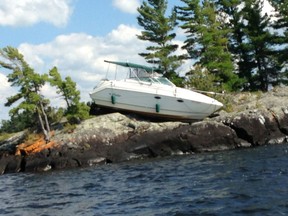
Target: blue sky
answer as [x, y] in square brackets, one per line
[96, 17]
[74, 35]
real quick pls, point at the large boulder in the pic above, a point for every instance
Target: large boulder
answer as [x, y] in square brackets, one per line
[195, 138]
[257, 127]
[110, 129]
[9, 145]
[10, 163]
[259, 118]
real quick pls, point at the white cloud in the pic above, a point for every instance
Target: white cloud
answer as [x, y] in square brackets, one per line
[29, 12]
[127, 6]
[5, 92]
[81, 56]
[4, 87]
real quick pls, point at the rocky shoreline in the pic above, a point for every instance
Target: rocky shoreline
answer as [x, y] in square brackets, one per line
[258, 119]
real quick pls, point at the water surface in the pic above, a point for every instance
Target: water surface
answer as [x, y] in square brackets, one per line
[243, 182]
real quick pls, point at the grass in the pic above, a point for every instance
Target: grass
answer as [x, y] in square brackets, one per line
[5, 136]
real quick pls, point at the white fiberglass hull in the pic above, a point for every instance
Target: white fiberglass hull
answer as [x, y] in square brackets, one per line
[154, 99]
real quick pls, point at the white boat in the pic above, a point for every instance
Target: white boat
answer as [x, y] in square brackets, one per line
[146, 92]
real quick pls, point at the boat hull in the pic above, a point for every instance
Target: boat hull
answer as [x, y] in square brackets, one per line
[154, 100]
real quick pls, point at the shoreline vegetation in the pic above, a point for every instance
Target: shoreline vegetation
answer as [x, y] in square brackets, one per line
[254, 119]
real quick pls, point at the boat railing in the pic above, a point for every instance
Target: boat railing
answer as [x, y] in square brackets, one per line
[100, 82]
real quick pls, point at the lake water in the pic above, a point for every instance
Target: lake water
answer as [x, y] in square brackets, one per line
[242, 182]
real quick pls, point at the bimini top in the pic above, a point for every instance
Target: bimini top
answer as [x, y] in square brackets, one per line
[137, 66]
[144, 73]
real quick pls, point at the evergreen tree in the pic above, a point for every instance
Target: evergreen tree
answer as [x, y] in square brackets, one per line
[260, 40]
[207, 41]
[192, 20]
[18, 122]
[253, 43]
[67, 89]
[201, 79]
[158, 29]
[281, 26]
[241, 52]
[29, 84]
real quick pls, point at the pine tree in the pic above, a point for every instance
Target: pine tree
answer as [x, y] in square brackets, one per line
[18, 122]
[67, 89]
[253, 43]
[29, 84]
[207, 41]
[201, 79]
[242, 60]
[260, 40]
[191, 18]
[158, 30]
[280, 24]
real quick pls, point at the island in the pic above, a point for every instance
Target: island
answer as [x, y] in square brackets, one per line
[260, 119]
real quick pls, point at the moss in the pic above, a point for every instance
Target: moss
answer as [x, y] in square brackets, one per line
[31, 138]
[5, 136]
[69, 128]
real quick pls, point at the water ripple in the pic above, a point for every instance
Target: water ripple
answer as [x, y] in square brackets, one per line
[244, 182]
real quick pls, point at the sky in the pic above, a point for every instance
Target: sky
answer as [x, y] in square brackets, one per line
[76, 36]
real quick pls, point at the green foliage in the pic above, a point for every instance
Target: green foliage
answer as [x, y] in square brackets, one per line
[281, 37]
[158, 29]
[29, 84]
[260, 40]
[235, 41]
[207, 41]
[18, 122]
[69, 128]
[32, 105]
[67, 89]
[55, 115]
[4, 136]
[254, 45]
[77, 112]
[176, 79]
[201, 79]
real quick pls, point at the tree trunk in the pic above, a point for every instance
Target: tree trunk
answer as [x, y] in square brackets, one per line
[67, 102]
[46, 134]
[47, 137]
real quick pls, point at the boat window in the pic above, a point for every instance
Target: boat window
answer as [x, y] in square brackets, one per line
[144, 76]
[165, 81]
[140, 73]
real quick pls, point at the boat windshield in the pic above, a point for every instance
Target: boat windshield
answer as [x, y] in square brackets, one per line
[144, 76]
[164, 81]
[138, 73]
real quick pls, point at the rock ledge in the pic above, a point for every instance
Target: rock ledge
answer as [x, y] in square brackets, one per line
[260, 120]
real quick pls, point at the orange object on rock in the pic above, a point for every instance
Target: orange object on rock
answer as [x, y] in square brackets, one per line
[35, 146]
